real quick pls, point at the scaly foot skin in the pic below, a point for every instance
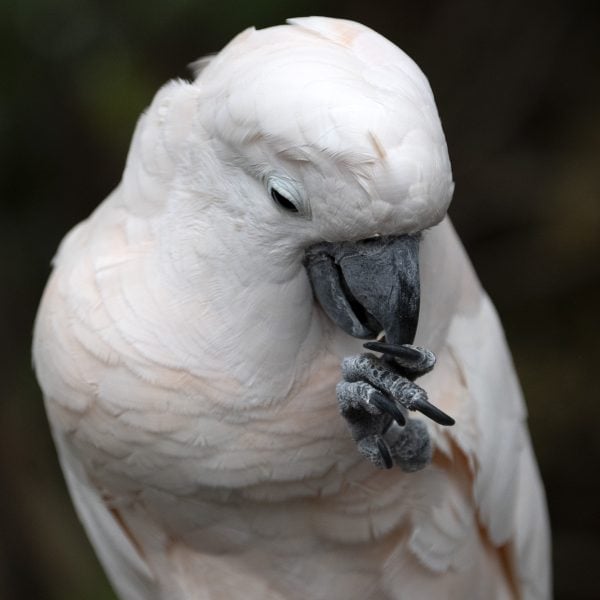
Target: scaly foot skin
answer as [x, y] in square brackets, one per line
[376, 395]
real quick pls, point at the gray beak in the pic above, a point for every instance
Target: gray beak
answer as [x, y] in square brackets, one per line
[369, 286]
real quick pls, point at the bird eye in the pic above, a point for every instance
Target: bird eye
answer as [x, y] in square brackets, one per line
[282, 201]
[288, 194]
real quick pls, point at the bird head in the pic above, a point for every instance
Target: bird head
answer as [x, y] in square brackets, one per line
[322, 141]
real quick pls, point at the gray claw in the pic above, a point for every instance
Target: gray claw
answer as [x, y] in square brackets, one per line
[401, 351]
[376, 449]
[375, 389]
[384, 452]
[389, 406]
[412, 358]
[398, 388]
[431, 411]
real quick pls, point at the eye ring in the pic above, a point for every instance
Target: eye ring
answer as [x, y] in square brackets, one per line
[283, 202]
[287, 195]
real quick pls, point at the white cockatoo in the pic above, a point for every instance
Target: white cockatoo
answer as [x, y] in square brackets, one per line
[222, 430]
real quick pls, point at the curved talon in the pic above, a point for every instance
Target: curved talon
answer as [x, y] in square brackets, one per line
[419, 360]
[433, 412]
[373, 395]
[389, 406]
[384, 452]
[401, 351]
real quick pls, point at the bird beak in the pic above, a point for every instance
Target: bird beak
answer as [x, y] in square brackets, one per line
[369, 286]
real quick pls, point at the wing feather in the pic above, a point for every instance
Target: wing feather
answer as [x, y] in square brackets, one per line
[506, 485]
[122, 560]
[494, 490]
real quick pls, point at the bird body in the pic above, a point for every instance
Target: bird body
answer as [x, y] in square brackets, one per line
[190, 375]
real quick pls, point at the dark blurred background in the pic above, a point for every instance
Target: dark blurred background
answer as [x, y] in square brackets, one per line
[518, 89]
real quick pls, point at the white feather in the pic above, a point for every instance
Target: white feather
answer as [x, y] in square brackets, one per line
[190, 378]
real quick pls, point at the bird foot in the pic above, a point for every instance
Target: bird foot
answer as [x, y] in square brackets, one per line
[375, 397]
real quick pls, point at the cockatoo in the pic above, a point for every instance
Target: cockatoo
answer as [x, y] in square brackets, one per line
[223, 432]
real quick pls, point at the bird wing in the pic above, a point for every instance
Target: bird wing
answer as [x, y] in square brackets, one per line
[121, 557]
[478, 382]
